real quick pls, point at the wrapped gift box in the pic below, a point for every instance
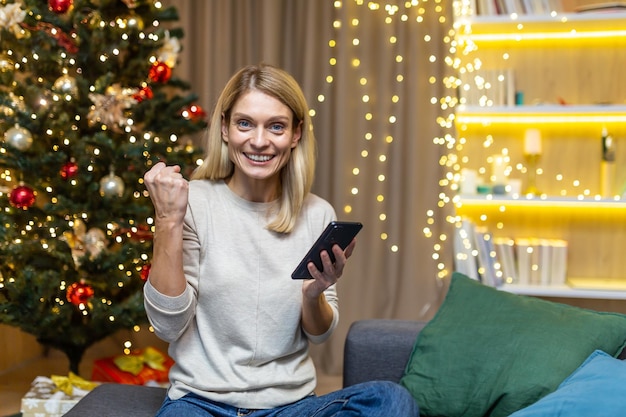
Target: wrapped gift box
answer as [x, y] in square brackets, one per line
[146, 370]
[44, 399]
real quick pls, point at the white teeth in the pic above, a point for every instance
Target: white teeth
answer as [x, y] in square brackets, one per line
[259, 158]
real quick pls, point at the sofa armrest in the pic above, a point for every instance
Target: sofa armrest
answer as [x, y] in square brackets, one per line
[119, 400]
[378, 349]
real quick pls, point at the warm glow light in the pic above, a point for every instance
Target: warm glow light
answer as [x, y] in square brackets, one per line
[544, 115]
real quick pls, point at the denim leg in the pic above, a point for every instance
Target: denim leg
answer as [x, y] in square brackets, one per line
[371, 399]
[192, 405]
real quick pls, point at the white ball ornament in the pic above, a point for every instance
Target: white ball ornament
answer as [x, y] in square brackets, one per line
[18, 137]
[111, 186]
[66, 85]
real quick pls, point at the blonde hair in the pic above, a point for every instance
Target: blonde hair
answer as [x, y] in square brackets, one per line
[297, 176]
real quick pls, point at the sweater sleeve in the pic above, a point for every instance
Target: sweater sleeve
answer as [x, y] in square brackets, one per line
[170, 316]
[331, 297]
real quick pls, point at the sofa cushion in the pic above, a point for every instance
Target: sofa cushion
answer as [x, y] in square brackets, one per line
[490, 353]
[597, 387]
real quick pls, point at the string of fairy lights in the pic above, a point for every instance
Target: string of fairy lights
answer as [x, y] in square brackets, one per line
[407, 12]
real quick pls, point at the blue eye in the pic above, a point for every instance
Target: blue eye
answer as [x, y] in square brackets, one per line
[244, 124]
[277, 127]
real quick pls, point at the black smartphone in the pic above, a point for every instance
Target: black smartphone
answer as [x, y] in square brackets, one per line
[340, 233]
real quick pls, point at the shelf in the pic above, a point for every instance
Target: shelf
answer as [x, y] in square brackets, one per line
[573, 203]
[542, 28]
[565, 291]
[611, 116]
[600, 288]
[545, 211]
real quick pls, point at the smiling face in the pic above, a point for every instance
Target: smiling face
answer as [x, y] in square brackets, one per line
[260, 136]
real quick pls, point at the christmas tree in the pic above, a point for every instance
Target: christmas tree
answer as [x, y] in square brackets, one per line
[89, 103]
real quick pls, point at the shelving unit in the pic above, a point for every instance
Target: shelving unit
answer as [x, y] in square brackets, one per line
[569, 68]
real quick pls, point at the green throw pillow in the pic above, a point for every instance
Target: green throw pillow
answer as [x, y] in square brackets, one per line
[490, 353]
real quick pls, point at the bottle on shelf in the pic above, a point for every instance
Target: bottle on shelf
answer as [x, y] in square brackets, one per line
[607, 165]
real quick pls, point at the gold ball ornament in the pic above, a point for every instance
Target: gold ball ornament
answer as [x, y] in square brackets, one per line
[6, 63]
[130, 21]
[66, 85]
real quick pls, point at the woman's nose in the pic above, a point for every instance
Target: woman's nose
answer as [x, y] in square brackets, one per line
[259, 137]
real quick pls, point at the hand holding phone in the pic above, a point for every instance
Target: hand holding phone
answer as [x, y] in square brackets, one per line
[340, 233]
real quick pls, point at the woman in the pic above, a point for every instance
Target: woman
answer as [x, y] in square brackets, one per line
[225, 245]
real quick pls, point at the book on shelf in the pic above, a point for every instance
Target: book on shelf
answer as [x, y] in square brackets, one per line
[465, 252]
[607, 7]
[488, 265]
[496, 260]
[559, 262]
[524, 250]
[519, 7]
[544, 261]
[505, 252]
[475, 254]
[541, 261]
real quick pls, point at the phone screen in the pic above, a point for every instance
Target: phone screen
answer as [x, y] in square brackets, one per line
[337, 232]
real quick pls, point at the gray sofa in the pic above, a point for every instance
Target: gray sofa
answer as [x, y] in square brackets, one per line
[374, 350]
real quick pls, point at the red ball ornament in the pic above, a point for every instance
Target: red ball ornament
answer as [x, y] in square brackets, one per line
[145, 272]
[79, 293]
[60, 6]
[194, 112]
[160, 72]
[22, 197]
[69, 170]
[144, 94]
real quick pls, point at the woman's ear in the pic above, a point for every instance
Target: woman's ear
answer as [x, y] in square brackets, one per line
[297, 134]
[224, 128]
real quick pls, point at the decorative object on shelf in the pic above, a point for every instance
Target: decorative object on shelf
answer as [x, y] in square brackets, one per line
[469, 181]
[607, 165]
[498, 173]
[532, 154]
[514, 187]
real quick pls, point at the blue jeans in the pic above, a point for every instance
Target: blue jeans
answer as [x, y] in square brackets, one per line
[371, 399]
